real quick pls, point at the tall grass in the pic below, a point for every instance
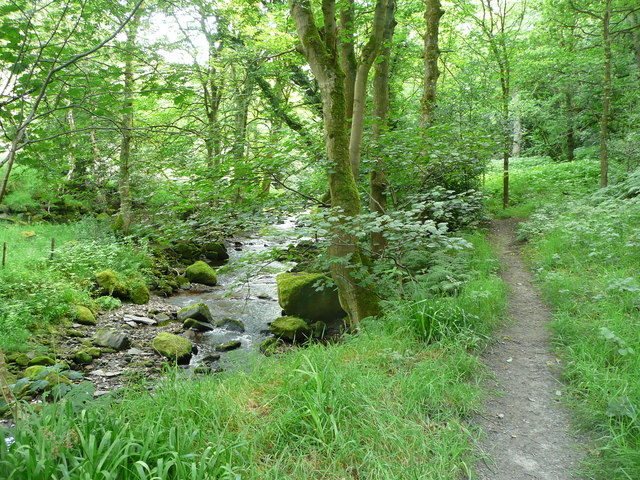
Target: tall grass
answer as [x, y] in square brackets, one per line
[38, 289]
[537, 180]
[385, 403]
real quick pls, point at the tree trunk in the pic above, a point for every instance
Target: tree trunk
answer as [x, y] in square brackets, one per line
[125, 150]
[8, 162]
[635, 35]
[369, 55]
[127, 130]
[243, 99]
[322, 55]
[571, 137]
[432, 14]
[606, 97]
[381, 93]
[516, 146]
[346, 39]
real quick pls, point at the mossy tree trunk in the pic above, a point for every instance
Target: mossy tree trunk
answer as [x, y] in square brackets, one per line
[606, 96]
[381, 90]
[126, 130]
[369, 54]
[432, 14]
[322, 54]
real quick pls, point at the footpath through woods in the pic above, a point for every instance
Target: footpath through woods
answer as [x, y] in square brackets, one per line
[527, 428]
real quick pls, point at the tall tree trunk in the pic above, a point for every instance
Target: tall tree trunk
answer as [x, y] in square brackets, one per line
[243, 99]
[347, 54]
[125, 149]
[322, 55]
[516, 146]
[126, 214]
[570, 136]
[381, 93]
[369, 54]
[606, 97]
[212, 97]
[432, 14]
[9, 160]
[635, 35]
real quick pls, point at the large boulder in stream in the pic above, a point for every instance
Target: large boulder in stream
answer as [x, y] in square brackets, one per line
[196, 317]
[215, 251]
[200, 272]
[197, 311]
[311, 296]
[175, 348]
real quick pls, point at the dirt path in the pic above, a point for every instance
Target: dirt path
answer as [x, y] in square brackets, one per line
[527, 428]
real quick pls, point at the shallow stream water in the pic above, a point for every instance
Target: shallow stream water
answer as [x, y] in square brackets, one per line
[246, 291]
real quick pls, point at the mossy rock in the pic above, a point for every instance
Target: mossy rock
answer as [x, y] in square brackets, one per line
[200, 272]
[231, 324]
[194, 324]
[291, 328]
[95, 352]
[34, 371]
[81, 358]
[232, 345]
[84, 316]
[54, 378]
[20, 359]
[139, 294]
[215, 251]
[108, 284]
[42, 360]
[298, 297]
[188, 251]
[111, 339]
[182, 281]
[197, 311]
[175, 348]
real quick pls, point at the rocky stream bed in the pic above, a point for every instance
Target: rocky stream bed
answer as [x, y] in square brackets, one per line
[126, 345]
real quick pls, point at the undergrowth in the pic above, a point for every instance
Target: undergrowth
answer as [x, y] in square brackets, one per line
[389, 402]
[38, 289]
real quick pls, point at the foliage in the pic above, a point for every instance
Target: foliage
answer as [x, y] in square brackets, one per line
[37, 291]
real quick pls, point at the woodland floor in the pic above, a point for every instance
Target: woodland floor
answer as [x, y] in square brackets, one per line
[528, 434]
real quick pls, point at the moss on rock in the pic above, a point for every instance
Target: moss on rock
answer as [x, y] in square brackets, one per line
[173, 347]
[34, 371]
[194, 324]
[291, 328]
[20, 359]
[197, 311]
[139, 294]
[108, 284]
[42, 360]
[84, 316]
[215, 251]
[200, 272]
[298, 296]
[81, 358]
[232, 345]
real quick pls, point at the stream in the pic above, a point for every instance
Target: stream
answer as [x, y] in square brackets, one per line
[247, 292]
